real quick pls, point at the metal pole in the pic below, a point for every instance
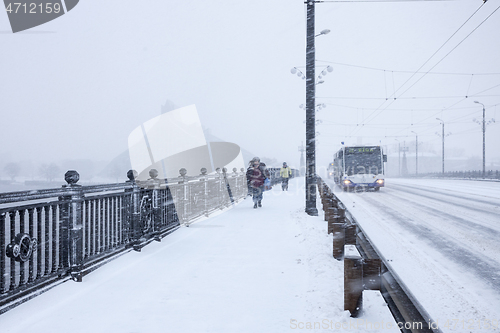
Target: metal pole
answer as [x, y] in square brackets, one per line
[399, 158]
[310, 115]
[416, 153]
[443, 146]
[484, 145]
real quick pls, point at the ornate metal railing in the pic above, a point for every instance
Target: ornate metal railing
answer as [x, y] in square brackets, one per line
[49, 236]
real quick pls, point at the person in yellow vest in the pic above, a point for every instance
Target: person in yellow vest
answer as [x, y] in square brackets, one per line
[285, 174]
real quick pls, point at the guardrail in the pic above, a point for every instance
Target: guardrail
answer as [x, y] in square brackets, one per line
[50, 236]
[470, 174]
[366, 269]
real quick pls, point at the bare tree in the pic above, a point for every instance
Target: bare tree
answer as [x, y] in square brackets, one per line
[50, 171]
[270, 161]
[116, 172]
[12, 169]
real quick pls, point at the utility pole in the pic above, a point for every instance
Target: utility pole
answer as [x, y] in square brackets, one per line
[399, 157]
[484, 145]
[416, 153]
[310, 115]
[405, 165]
[484, 140]
[442, 136]
[443, 146]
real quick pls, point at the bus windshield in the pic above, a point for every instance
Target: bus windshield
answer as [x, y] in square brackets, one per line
[363, 160]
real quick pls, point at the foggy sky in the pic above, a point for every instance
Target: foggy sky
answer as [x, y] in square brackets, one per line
[76, 87]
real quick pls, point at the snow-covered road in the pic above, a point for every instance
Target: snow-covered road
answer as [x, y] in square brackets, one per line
[442, 237]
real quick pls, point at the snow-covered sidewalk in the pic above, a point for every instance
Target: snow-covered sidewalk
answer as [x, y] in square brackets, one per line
[245, 270]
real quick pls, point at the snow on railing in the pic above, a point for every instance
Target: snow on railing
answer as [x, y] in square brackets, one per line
[48, 236]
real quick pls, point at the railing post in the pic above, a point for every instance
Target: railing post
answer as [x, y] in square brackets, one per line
[330, 208]
[336, 215]
[219, 190]
[236, 190]
[227, 189]
[2, 254]
[351, 234]
[244, 185]
[155, 203]
[353, 281]
[338, 231]
[72, 225]
[185, 195]
[134, 231]
[204, 179]
[371, 274]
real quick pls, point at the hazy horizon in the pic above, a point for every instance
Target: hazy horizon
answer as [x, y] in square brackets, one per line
[74, 88]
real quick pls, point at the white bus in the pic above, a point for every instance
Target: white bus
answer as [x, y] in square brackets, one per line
[359, 167]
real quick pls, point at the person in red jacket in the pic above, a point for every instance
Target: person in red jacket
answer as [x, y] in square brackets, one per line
[256, 175]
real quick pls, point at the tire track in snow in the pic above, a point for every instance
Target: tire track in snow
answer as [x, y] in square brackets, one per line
[404, 188]
[464, 223]
[489, 273]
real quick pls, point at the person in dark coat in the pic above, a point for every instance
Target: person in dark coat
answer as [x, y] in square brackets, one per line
[256, 175]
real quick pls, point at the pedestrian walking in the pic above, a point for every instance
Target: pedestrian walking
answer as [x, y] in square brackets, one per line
[256, 175]
[285, 174]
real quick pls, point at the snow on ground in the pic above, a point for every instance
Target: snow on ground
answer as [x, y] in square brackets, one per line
[247, 270]
[441, 237]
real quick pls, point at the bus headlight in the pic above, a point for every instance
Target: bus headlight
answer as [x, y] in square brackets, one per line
[347, 182]
[380, 181]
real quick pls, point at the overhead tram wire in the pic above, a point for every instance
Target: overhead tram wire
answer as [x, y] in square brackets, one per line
[413, 97]
[399, 71]
[369, 118]
[451, 108]
[412, 109]
[368, 1]
[447, 54]
[460, 101]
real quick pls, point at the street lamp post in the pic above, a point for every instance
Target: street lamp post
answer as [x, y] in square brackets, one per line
[416, 153]
[310, 115]
[399, 157]
[442, 136]
[484, 144]
[310, 108]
